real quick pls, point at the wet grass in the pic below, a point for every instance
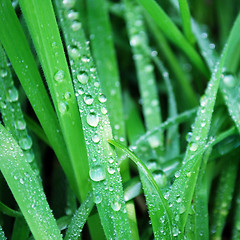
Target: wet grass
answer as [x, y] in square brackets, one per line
[87, 88]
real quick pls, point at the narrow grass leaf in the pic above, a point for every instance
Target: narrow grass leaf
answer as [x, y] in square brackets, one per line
[236, 226]
[163, 210]
[104, 170]
[26, 189]
[40, 19]
[21, 230]
[145, 72]
[80, 218]
[8, 211]
[173, 33]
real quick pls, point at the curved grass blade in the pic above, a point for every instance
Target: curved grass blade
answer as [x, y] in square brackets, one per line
[8, 211]
[145, 74]
[26, 189]
[25, 67]
[2, 235]
[173, 33]
[163, 209]
[104, 171]
[189, 172]
[186, 20]
[12, 113]
[40, 19]
[80, 218]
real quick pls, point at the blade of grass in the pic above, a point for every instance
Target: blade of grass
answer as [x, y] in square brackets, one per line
[24, 65]
[173, 33]
[40, 19]
[196, 147]
[145, 74]
[8, 211]
[26, 189]
[163, 208]
[104, 171]
[236, 226]
[186, 20]
[20, 230]
[80, 218]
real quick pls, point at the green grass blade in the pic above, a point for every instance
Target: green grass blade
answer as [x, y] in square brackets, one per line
[24, 65]
[26, 189]
[42, 25]
[8, 211]
[145, 74]
[186, 20]
[20, 230]
[236, 228]
[2, 235]
[173, 33]
[163, 209]
[223, 198]
[80, 218]
[104, 171]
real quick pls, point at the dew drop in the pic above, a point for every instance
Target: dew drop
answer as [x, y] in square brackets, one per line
[67, 95]
[12, 94]
[25, 143]
[177, 174]
[154, 141]
[29, 156]
[20, 124]
[69, 3]
[3, 73]
[59, 76]
[111, 170]
[229, 80]
[74, 52]
[97, 173]
[72, 15]
[135, 40]
[80, 91]
[110, 160]
[92, 119]
[116, 206]
[160, 177]
[82, 78]
[63, 107]
[98, 198]
[104, 110]
[96, 138]
[152, 164]
[21, 181]
[182, 209]
[88, 99]
[76, 25]
[203, 101]
[193, 147]
[102, 98]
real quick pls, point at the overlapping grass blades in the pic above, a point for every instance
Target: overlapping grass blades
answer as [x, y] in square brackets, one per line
[26, 189]
[104, 170]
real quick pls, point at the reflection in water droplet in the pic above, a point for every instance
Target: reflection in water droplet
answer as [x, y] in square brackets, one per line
[82, 78]
[76, 25]
[102, 98]
[116, 206]
[229, 80]
[59, 76]
[193, 147]
[97, 173]
[25, 143]
[12, 94]
[92, 119]
[88, 99]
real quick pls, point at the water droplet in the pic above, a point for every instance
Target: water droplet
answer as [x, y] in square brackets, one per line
[88, 99]
[63, 107]
[203, 124]
[188, 136]
[98, 198]
[111, 170]
[104, 110]
[25, 143]
[175, 231]
[76, 25]
[67, 95]
[82, 78]
[229, 80]
[69, 3]
[12, 94]
[160, 177]
[74, 52]
[102, 98]
[92, 119]
[177, 174]
[21, 181]
[97, 173]
[80, 91]
[96, 138]
[116, 206]
[59, 76]
[203, 101]
[154, 141]
[72, 15]
[152, 164]
[110, 160]
[193, 147]
[182, 209]
[135, 40]
[29, 156]
[3, 72]
[20, 124]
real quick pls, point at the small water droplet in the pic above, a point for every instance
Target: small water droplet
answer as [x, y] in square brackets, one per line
[21, 181]
[72, 15]
[96, 138]
[92, 119]
[82, 78]
[80, 91]
[12, 94]
[116, 206]
[88, 99]
[110, 160]
[63, 107]
[175, 231]
[154, 141]
[67, 95]
[193, 147]
[20, 124]
[59, 76]
[229, 80]
[104, 110]
[25, 143]
[29, 156]
[111, 170]
[97, 173]
[177, 174]
[74, 52]
[98, 198]
[135, 40]
[160, 177]
[203, 101]
[69, 3]
[3, 72]
[76, 25]
[102, 98]
[152, 164]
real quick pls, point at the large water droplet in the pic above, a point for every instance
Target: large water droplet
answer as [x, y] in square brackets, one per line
[82, 78]
[25, 143]
[88, 99]
[92, 119]
[97, 173]
[59, 76]
[116, 206]
[229, 80]
[12, 94]
[193, 147]
[102, 98]
[63, 107]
